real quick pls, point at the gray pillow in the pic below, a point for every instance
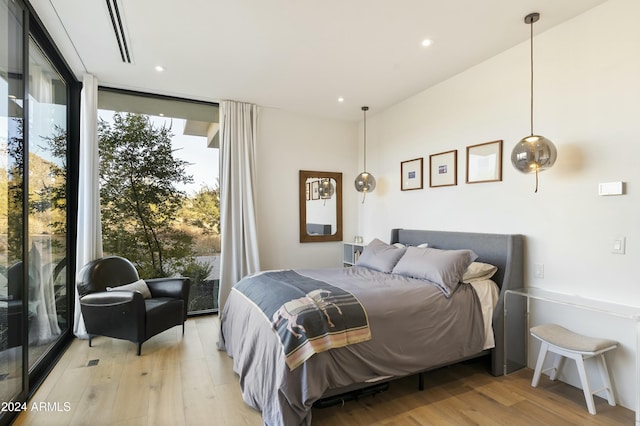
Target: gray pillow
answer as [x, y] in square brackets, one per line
[380, 256]
[444, 268]
[140, 286]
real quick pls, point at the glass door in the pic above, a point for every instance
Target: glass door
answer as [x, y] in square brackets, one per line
[47, 202]
[12, 303]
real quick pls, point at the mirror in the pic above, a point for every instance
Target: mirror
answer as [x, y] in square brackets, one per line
[320, 206]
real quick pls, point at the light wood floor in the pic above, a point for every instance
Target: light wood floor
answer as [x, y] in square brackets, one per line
[187, 381]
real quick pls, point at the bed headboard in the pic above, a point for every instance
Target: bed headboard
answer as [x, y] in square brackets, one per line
[506, 251]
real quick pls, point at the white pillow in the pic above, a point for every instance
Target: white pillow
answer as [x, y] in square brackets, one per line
[140, 286]
[400, 245]
[479, 271]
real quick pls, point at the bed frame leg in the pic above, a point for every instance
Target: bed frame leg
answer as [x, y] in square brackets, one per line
[421, 381]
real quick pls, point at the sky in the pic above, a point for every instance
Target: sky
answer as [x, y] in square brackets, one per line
[203, 161]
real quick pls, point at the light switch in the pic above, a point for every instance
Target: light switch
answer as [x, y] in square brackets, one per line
[618, 245]
[610, 188]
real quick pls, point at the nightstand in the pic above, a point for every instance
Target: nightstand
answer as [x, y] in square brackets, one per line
[351, 253]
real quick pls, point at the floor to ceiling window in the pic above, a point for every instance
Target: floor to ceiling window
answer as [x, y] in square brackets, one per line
[11, 201]
[159, 188]
[38, 122]
[47, 205]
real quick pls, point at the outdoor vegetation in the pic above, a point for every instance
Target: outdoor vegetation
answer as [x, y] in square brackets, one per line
[145, 217]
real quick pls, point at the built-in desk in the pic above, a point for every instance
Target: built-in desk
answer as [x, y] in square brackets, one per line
[512, 306]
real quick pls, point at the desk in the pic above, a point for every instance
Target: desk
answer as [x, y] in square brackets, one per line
[617, 310]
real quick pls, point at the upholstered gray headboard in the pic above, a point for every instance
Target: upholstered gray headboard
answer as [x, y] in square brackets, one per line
[506, 251]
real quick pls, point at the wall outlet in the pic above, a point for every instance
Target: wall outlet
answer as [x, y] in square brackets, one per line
[618, 245]
[538, 270]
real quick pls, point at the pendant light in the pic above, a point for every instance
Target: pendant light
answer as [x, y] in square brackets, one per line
[365, 182]
[326, 190]
[534, 153]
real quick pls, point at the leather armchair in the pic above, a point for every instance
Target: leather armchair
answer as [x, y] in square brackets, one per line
[126, 314]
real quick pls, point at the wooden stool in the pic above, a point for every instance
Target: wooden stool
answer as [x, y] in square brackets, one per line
[566, 343]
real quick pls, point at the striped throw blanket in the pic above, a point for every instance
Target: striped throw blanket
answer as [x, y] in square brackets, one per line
[310, 316]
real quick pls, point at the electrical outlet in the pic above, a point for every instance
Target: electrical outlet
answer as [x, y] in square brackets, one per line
[618, 245]
[538, 270]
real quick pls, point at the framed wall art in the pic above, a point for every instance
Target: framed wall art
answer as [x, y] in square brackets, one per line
[315, 185]
[411, 174]
[484, 162]
[443, 169]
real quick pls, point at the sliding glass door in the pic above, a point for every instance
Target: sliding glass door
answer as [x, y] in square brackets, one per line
[39, 106]
[12, 104]
[47, 202]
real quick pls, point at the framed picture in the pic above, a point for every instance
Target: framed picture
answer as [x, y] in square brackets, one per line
[411, 174]
[443, 168]
[315, 185]
[484, 162]
[308, 184]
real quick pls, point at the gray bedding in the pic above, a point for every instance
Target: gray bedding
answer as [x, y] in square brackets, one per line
[413, 325]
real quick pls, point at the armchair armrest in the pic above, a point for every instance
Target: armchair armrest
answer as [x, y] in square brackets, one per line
[119, 314]
[111, 298]
[169, 287]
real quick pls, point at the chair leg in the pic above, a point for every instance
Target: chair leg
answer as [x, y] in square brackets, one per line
[541, 356]
[588, 396]
[604, 373]
[557, 366]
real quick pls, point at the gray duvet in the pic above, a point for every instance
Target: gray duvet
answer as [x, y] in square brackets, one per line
[413, 326]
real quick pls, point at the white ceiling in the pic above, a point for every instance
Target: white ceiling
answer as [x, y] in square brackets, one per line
[297, 55]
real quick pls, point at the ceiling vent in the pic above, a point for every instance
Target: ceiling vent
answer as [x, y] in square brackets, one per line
[118, 29]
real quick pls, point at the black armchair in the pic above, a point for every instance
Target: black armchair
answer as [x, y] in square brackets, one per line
[127, 314]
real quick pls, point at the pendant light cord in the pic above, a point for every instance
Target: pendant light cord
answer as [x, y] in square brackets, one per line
[365, 139]
[531, 57]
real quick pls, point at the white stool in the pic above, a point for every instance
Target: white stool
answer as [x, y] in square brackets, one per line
[566, 343]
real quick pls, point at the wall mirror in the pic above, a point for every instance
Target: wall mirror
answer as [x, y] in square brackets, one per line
[320, 206]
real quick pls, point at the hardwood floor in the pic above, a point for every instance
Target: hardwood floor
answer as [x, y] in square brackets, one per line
[187, 381]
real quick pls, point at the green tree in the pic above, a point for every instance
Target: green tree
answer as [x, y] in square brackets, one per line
[203, 210]
[138, 195]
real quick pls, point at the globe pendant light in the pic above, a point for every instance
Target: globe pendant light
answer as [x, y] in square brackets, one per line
[326, 190]
[534, 153]
[365, 182]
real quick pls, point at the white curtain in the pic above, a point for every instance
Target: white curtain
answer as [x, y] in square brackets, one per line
[89, 243]
[239, 239]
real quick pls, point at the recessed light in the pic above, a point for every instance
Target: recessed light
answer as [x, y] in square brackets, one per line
[12, 97]
[426, 42]
[161, 114]
[340, 99]
[159, 68]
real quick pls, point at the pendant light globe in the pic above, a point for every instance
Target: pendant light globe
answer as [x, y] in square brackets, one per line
[365, 182]
[534, 153]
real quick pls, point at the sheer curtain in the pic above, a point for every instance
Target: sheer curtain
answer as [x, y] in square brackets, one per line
[89, 243]
[239, 239]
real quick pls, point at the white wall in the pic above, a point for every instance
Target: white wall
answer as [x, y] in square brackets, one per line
[587, 100]
[288, 143]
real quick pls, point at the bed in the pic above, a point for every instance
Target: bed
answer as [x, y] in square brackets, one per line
[404, 337]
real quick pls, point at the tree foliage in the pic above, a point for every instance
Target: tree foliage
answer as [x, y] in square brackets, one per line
[203, 210]
[138, 194]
